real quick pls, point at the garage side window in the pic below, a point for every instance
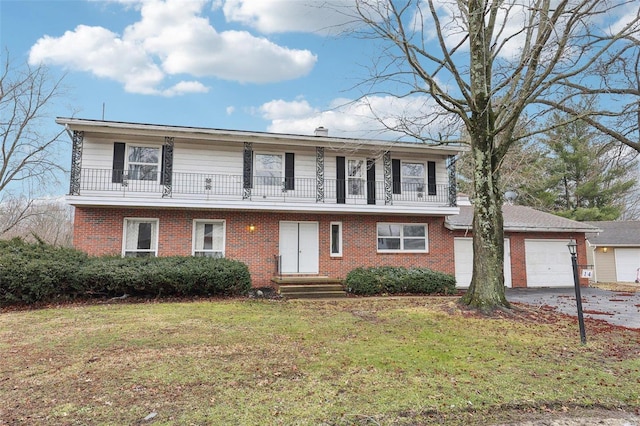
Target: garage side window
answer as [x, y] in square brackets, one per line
[399, 237]
[208, 238]
[140, 238]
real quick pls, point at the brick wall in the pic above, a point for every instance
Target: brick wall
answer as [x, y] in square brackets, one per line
[98, 231]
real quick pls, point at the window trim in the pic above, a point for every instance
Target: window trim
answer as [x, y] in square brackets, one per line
[205, 221]
[128, 146]
[155, 222]
[340, 239]
[402, 237]
[403, 176]
[256, 169]
[362, 178]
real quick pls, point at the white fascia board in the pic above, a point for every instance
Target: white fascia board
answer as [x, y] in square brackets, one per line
[364, 209]
[239, 136]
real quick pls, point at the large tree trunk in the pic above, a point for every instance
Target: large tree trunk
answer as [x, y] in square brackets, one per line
[486, 291]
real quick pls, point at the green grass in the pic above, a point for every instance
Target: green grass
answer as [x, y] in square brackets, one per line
[353, 361]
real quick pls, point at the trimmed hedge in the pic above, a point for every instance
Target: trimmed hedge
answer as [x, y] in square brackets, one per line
[39, 272]
[397, 280]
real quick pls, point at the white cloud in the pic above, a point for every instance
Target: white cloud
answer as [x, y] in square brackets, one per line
[231, 110]
[185, 87]
[278, 16]
[279, 109]
[171, 38]
[624, 16]
[351, 118]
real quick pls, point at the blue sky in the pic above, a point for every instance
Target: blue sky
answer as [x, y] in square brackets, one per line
[258, 65]
[231, 64]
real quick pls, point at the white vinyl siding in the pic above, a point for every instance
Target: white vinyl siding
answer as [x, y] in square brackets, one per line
[225, 158]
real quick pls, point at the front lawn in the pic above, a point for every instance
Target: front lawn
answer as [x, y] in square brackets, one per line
[355, 361]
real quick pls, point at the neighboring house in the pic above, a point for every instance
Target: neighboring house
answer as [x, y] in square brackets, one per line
[283, 204]
[615, 251]
[535, 247]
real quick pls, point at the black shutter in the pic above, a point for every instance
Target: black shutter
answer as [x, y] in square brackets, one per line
[431, 177]
[289, 171]
[165, 178]
[247, 169]
[371, 181]
[118, 162]
[341, 187]
[395, 173]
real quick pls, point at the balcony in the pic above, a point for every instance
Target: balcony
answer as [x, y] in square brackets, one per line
[114, 184]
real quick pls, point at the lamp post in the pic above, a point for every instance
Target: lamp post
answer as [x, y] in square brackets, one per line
[576, 283]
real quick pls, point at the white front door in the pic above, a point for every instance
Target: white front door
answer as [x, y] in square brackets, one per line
[299, 247]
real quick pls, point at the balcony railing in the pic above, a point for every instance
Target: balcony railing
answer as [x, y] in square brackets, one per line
[216, 186]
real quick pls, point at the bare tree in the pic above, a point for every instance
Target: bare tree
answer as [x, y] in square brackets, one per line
[482, 66]
[27, 158]
[45, 220]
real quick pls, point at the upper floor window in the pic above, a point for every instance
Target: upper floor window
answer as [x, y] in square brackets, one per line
[413, 177]
[355, 177]
[268, 169]
[140, 238]
[395, 237]
[143, 162]
[208, 238]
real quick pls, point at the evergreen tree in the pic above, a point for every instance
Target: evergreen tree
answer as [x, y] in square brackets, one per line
[587, 178]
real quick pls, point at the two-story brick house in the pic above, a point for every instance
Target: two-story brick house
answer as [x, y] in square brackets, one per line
[283, 204]
[292, 205]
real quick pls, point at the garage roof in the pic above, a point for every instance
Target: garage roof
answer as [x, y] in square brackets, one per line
[522, 219]
[616, 233]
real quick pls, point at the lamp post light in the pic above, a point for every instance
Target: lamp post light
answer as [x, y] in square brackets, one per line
[576, 283]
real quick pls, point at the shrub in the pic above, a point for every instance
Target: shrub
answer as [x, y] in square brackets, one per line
[40, 273]
[394, 280]
[37, 272]
[164, 276]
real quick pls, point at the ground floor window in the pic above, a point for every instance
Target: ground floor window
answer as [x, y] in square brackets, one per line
[399, 237]
[336, 239]
[208, 238]
[140, 238]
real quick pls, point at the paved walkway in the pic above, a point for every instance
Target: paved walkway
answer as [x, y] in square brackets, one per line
[615, 307]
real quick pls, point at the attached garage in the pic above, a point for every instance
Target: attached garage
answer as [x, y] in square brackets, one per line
[548, 263]
[536, 252]
[463, 252]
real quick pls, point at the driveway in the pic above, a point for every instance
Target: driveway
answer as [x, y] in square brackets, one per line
[615, 307]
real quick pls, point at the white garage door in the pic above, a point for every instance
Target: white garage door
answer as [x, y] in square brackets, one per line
[548, 263]
[463, 252]
[627, 263]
